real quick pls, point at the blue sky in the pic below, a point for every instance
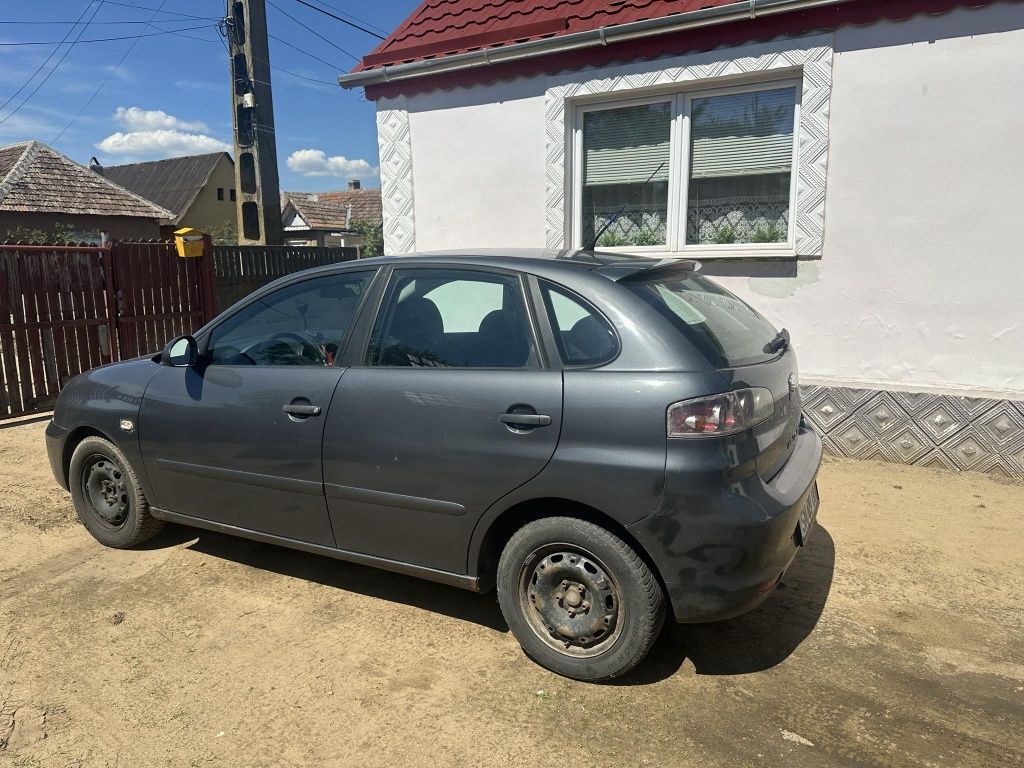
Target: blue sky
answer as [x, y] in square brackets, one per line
[170, 96]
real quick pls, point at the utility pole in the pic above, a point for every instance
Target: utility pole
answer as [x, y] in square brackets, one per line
[259, 194]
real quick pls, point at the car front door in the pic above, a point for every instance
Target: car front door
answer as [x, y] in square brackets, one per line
[449, 410]
[236, 439]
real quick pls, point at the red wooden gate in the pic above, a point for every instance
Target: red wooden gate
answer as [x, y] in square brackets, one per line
[159, 295]
[66, 309]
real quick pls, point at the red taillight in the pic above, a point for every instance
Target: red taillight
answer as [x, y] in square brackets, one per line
[723, 414]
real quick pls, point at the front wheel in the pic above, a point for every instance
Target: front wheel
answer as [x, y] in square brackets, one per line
[579, 599]
[108, 496]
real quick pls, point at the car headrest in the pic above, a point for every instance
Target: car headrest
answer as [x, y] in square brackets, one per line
[416, 320]
[590, 339]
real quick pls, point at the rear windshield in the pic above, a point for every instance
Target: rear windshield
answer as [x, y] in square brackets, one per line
[726, 329]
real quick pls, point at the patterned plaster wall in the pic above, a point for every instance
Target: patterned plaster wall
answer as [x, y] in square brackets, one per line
[811, 56]
[950, 431]
[396, 184]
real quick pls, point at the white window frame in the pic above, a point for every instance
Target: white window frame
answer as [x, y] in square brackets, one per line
[680, 101]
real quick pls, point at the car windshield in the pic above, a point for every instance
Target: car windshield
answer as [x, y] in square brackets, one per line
[725, 328]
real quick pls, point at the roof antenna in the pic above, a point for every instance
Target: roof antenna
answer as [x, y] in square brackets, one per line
[612, 220]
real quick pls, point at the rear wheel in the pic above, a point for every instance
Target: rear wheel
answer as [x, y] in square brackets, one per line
[108, 496]
[578, 599]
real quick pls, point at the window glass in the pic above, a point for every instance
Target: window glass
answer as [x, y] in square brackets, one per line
[741, 158]
[626, 161]
[726, 329]
[301, 324]
[438, 318]
[582, 335]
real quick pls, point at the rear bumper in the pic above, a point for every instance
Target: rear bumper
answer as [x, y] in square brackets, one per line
[719, 543]
[55, 437]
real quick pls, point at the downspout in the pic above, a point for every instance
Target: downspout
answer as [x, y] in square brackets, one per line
[705, 17]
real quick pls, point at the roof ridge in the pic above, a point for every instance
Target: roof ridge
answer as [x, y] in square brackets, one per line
[18, 169]
[68, 161]
[168, 159]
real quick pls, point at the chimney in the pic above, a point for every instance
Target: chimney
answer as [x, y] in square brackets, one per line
[353, 183]
[94, 165]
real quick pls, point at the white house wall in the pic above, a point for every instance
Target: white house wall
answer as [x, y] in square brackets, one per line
[920, 281]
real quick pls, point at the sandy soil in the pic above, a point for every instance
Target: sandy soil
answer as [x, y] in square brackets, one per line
[897, 641]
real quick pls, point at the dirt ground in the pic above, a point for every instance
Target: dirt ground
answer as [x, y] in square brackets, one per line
[896, 641]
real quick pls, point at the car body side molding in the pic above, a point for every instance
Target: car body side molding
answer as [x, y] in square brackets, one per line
[276, 482]
[384, 498]
[460, 580]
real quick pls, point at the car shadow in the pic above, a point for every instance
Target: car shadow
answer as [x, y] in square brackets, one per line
[351, 577]
[757, 640]
[753, 642]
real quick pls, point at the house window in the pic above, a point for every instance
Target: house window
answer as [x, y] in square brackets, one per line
[705, 169]
[233, 198]
[220, 193]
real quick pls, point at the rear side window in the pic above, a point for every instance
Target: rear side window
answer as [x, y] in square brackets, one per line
[446, 318]
[726, 329]
[583, 337]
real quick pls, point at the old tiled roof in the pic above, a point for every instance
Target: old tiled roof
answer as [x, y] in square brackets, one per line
[329, 210]
[172, 184]
[35, 178]
[441, 28]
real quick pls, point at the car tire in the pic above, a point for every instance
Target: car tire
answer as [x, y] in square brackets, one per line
[108, 497]
[580, 601]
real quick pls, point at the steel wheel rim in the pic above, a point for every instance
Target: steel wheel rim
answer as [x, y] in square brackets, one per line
[105, 491]
[570, 600]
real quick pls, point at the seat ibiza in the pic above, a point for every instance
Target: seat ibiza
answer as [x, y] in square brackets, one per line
[602, 439]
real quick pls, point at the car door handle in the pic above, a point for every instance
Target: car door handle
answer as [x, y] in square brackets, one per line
[525, 419]
[293, 409]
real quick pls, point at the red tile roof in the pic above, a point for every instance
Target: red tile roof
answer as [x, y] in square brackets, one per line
[440, 28]
[444, 27]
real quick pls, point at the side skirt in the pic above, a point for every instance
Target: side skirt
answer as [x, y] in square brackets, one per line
[471, 583]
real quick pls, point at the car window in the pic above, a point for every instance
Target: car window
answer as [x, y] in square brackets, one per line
[583, 337]
[727, 329]
[300, 324]
[446, 318]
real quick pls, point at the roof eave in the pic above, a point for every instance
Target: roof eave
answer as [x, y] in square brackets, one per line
[705, 17]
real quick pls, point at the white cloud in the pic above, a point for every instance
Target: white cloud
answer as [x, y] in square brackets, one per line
[152, 134]
[135, 119]
[315, 162]
[159, 144]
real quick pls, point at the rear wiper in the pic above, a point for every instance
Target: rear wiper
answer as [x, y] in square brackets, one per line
[779, 343]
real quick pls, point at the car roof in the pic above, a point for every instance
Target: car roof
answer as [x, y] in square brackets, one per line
[615, 266]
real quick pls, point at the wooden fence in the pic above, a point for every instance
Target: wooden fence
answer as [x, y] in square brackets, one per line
[66, 309]
[241, 269]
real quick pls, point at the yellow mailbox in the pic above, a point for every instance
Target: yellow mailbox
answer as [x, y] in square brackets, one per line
[189, 242]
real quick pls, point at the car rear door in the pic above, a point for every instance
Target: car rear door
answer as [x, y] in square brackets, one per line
[449, 409]
[237, 439]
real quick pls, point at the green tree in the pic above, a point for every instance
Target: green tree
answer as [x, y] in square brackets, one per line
[373, 237]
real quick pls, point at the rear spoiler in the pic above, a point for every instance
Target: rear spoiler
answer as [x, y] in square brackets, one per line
[642, 271]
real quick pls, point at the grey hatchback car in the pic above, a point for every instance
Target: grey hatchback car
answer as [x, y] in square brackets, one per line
[601, 438]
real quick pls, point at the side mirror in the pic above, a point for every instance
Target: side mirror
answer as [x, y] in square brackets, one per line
[182, 352]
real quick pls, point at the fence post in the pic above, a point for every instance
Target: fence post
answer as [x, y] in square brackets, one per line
[208, 286]
[112, 304]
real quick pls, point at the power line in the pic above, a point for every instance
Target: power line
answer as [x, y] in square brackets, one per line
[276, 68]
[351, 16]
[311, 30]
[106, 80]
[339, 18]
[168, 13]
[52, 54]
[56, 66]
[300, 50]
[92, 23]
[111, 39]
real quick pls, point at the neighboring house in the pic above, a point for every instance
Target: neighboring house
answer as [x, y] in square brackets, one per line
[853, 169]
[43, 193]
[199, 190]
[327, 218]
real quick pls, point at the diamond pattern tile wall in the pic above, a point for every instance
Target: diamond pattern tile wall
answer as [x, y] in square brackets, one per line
[966, 433]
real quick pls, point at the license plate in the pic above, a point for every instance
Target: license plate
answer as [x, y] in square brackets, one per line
[808, 513]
